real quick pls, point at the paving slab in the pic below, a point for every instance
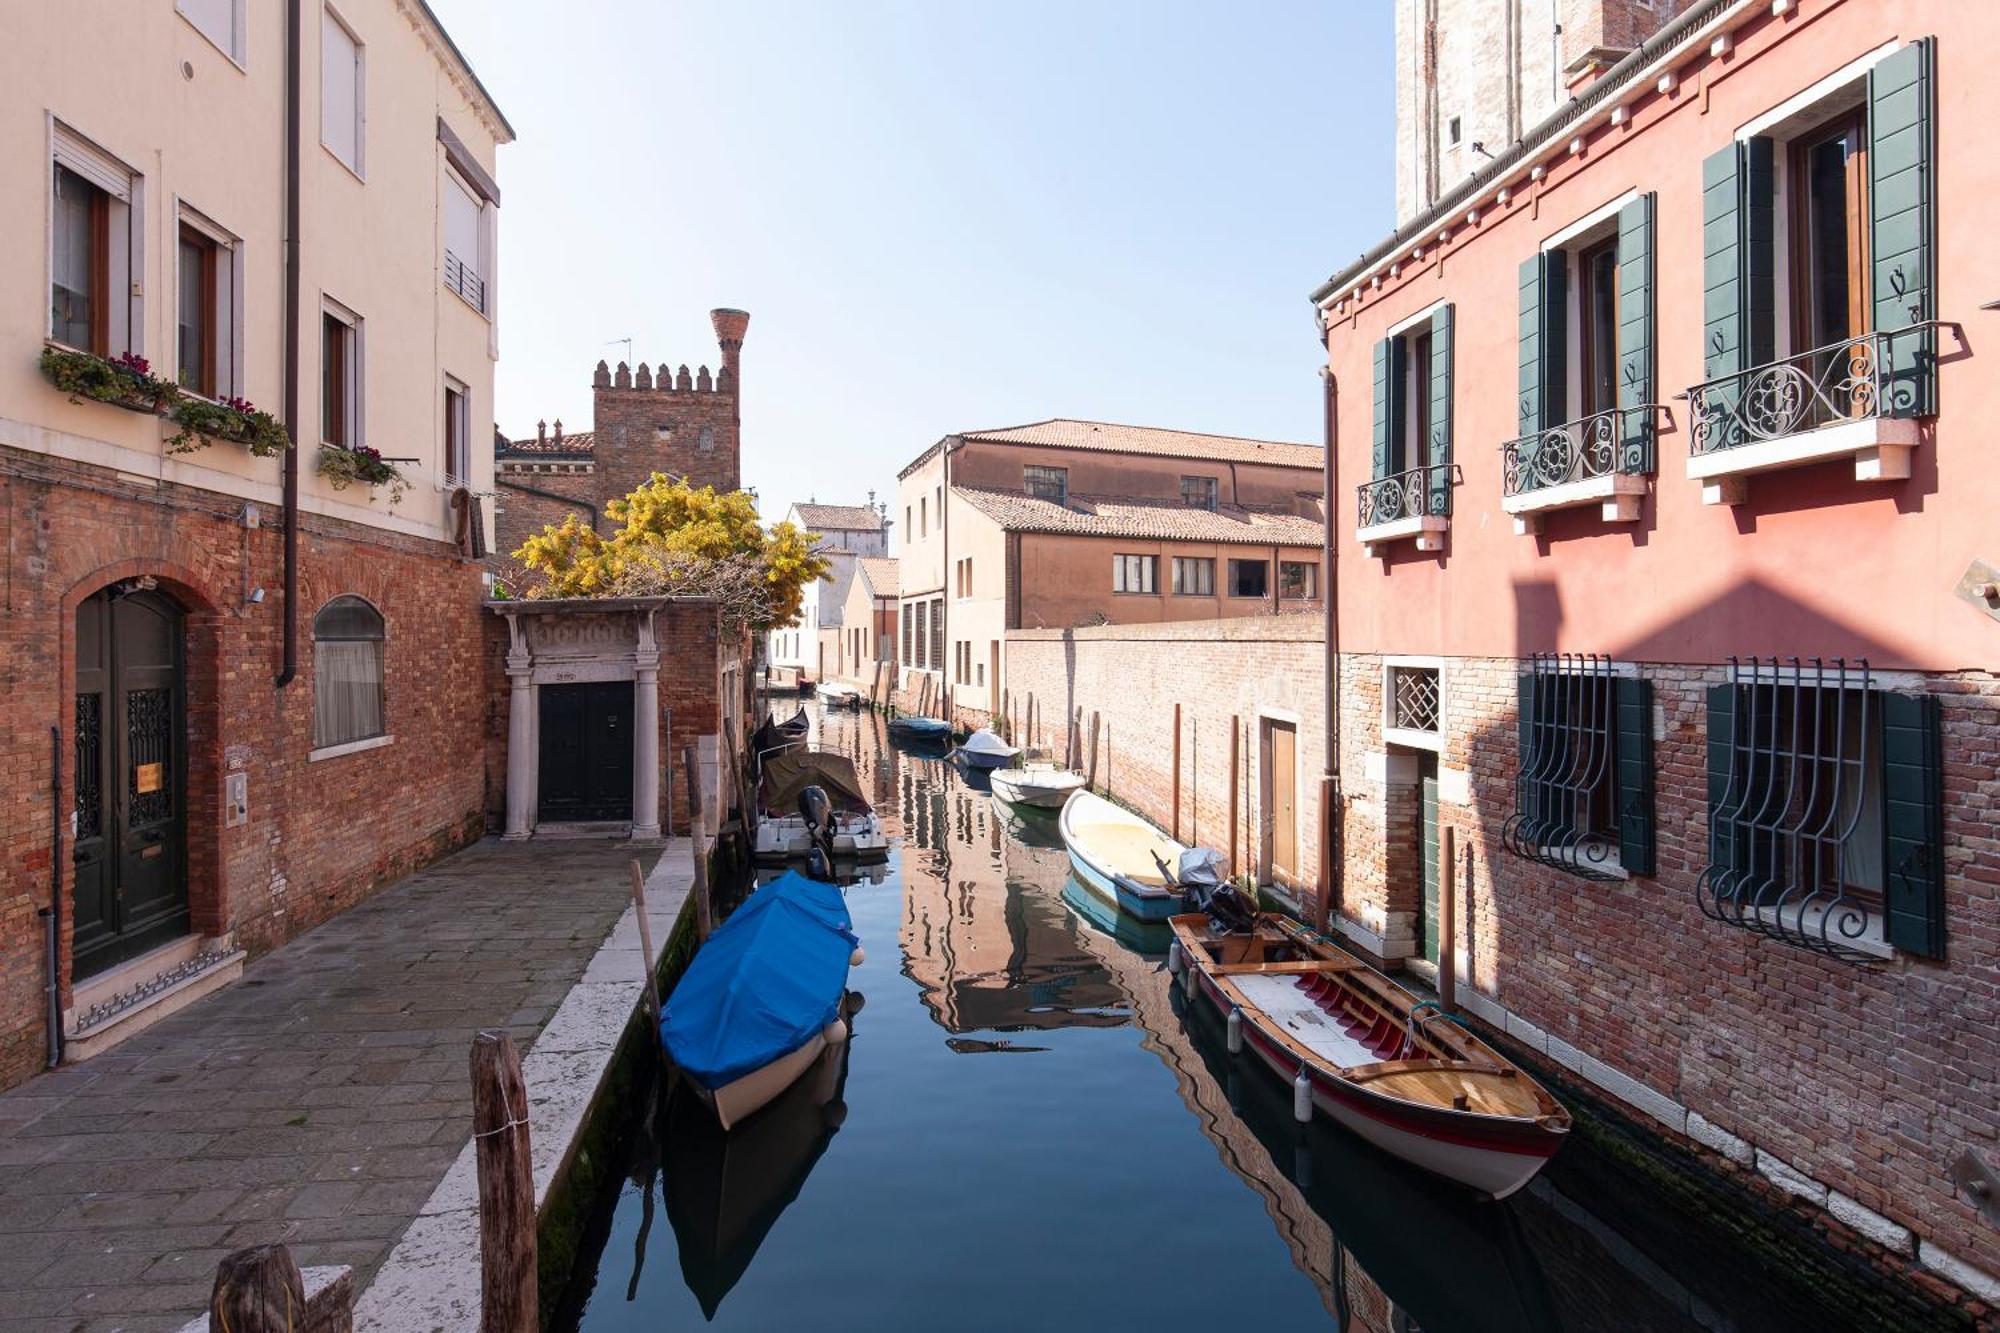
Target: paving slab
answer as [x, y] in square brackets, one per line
[321, 1100]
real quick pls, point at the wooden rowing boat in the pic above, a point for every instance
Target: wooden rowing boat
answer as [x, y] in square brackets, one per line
[1370, 1055]
[1037, 785]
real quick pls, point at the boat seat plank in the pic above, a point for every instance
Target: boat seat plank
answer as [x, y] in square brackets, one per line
[1390, 1068]
[1302, 967]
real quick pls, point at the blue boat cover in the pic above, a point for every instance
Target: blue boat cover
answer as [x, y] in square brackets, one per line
[766, 981]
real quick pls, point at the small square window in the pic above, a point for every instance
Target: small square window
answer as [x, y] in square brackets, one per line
[1194, 576]
[1198, 492]
[1298, 580]
[1249, 578]
[1134, 573]
[1046, 483]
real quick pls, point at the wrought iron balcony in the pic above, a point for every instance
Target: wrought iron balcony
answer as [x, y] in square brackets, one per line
[1416, 503]
[1858, 397]
[1602, 458]
[460, 277]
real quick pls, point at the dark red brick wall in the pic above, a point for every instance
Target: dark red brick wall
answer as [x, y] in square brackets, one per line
[320, 836]
[519, 514]
[686, 431]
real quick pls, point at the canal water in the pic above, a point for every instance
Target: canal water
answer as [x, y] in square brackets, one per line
[1029, 1130]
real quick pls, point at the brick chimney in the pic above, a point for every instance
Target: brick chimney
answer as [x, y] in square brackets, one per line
[730, 326]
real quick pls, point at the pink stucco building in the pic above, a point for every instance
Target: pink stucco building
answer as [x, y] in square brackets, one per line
[1666, 510]
[1070, 523]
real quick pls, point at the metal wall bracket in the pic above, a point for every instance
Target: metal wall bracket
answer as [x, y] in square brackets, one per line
[1979, 1181]
[1980, 585]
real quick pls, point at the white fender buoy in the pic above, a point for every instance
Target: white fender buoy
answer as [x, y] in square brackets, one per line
[1187, 980]
[1174, 960]
[1235, 1031]
[1302, 1097]
[858, 957]
[834, 1032]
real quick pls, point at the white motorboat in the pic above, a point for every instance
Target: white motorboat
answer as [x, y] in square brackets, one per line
[984, 749]
[853, 829]
[836, 695]
[1041, 786]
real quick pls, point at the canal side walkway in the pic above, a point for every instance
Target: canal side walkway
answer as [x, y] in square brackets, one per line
[324, 1099]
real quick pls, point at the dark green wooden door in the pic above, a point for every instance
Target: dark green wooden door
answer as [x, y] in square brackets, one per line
[1427, 849]
[586, 751]
[130, 841]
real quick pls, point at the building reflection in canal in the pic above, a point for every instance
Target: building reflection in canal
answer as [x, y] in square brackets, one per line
[930, 1190]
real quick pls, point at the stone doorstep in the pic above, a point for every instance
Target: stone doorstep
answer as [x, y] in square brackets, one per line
[144, 1013]
[90, 992]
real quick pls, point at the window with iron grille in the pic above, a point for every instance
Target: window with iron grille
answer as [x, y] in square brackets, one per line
[1415, 699]
[922, 658]
[1825, 810]
[1583, 794]
[1046, 483]
[937, 634]
[1198, 492]
[1134, 573]
[907, 617]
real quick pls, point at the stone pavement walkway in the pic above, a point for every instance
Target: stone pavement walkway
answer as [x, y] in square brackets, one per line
[319, 1101]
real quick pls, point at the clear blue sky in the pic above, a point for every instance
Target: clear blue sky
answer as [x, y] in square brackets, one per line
[940, 216]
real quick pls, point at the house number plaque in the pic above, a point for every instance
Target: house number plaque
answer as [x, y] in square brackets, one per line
[147, 778]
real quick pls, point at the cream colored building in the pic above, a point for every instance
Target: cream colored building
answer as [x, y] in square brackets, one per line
[132, 124]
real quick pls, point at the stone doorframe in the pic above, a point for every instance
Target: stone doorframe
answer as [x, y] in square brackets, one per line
[559, 642]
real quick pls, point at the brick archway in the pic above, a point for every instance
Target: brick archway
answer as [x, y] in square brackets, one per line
[203, 628]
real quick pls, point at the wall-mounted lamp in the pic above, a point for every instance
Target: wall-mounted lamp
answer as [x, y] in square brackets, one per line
[254, 597]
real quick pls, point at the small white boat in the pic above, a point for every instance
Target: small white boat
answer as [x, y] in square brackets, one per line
[1118, 856]
[984, 749]
[835, 695]
[1042, 786]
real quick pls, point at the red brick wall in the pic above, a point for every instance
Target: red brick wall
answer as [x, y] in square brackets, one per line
[699, 425]
[320, 836]
[520, 514]
[1870, 1079]
[1221, 672]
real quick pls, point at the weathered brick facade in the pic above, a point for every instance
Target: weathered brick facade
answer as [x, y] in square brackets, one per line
[1222, 674]
[1864, 1082]
[320, 836]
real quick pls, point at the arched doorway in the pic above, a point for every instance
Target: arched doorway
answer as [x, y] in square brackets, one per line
[131, 892]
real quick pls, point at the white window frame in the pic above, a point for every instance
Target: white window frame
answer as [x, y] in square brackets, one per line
[238, 50]
[482, 244]
[357, 373]
[449, 478]
[1192, 562]
[359, 166]
[68, 148]
[1150, 564]
[1415, 740]
[229, 370]
[1593, 228]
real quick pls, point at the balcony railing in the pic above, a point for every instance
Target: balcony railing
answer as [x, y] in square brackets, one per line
[1603, 444]
[462, 278]
[1857, 379]
[1421, 492]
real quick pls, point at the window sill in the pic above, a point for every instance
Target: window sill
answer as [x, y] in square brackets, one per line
[351, 170]
[1416, 740]
[1880, 447]
[1807, 921]
[1427, 529]
[1620, 494]
[349, 747]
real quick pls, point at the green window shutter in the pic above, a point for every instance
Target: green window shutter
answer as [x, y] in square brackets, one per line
[1385, 409]
[1544, 340]
[1900, 133]
[1726, 850]
[1635, 334]
[1738, 281]
[1527, 792]
[1759, 180]
[1634, 701]
[1913, 822]
[1439, 444]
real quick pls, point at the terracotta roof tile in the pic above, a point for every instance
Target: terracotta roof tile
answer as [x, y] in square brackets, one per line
[883, 574]
[1114, 516]
[839, 518]
[577, 444]
[1064, 433]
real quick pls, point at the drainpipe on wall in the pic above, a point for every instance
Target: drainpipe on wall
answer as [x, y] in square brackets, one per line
[1330, 797]
[289, 668]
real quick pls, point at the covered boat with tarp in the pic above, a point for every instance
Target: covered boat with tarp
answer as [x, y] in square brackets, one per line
[762, 998]
[851, 830]
[772, 735]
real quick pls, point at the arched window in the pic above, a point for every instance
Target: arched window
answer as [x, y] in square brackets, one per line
[347, 672]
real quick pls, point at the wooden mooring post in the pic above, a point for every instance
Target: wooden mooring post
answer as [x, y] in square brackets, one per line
[1448, 919]
[650, 960]
[259, 1290]
[1177, 773]
[1235, 759]
[1324, 904]
[698, 838]
[1090, 778]
[508, 1274]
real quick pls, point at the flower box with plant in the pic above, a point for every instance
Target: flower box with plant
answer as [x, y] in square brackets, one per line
[343, 467]
[127, 381]
[234, 419]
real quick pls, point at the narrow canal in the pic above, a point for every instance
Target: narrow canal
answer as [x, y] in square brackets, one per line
[1030, 1131]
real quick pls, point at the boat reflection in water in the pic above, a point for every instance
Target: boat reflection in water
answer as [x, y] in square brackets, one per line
[725, 1189]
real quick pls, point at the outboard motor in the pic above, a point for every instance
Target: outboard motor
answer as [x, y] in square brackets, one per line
[817, 812]
[1205, 890]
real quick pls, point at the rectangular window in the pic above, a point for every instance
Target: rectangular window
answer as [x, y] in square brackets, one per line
[1249, 578]
[221, 21]
[908, 617]
[340, 378]
[937, 634]
[205, 310]
[1829, 233]
[457, 435]
[1133, 573]
[923, 517]
[464, 243]
[1198, 492]
[1415, 699]
[342, 93]
[92, 250]
[1597, 306]
[1298, 579]
[1046, 483]
[1194, 576]
[1583, 791]
[1417, 392]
